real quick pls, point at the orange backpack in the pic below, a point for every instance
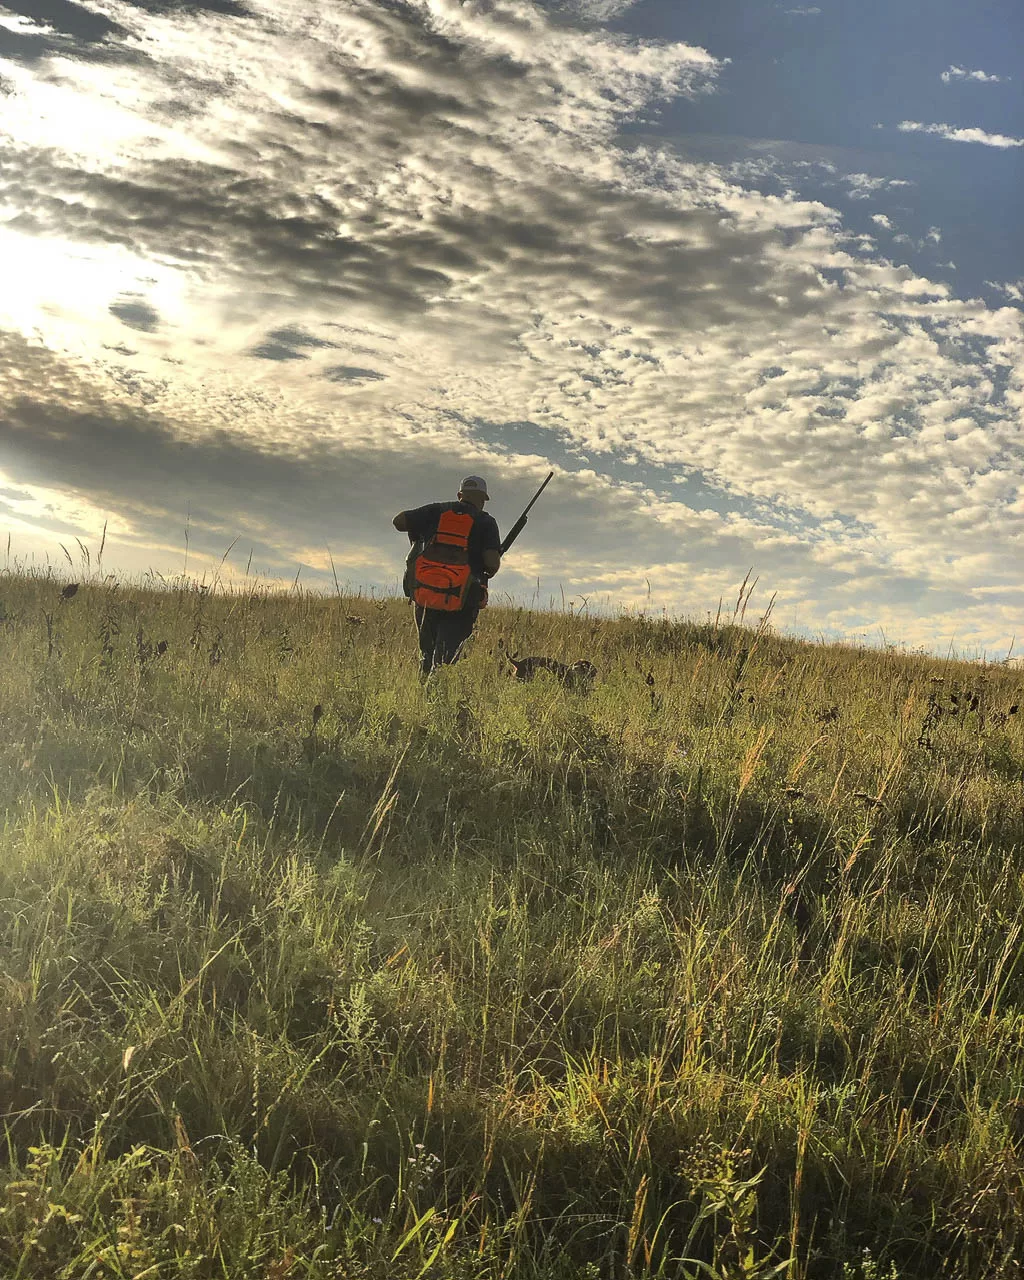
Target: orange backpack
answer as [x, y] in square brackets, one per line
[441, 577]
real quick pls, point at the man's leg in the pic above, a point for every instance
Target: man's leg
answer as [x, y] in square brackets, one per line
[426, 627]
[453, 631]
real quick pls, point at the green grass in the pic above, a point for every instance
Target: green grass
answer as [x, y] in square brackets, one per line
[717, 972]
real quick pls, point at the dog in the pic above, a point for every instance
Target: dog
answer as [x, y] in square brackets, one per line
[578, 676]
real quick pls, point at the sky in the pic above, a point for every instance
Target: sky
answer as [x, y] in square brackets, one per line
[749, 277]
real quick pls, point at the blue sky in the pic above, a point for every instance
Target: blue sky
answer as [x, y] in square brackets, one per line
[832, 83]
[749, 277]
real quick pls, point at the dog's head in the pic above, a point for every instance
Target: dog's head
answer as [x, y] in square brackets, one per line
[581, 674]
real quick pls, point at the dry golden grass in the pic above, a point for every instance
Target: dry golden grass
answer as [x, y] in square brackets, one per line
[306, 970]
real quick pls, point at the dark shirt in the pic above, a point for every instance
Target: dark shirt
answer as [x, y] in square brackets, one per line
[484, 535]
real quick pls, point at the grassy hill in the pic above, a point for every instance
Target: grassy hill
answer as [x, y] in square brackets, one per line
[717, 972]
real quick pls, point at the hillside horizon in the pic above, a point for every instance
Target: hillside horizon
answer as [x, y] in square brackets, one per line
[731, 610]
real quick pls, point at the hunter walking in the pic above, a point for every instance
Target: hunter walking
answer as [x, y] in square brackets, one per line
[456, 547]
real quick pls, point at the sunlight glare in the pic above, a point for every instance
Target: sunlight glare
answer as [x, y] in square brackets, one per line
[51, 282]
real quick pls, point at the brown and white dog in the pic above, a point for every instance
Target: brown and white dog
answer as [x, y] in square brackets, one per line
[578, 676]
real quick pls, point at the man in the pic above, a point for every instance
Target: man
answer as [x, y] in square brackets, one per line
[456, 548]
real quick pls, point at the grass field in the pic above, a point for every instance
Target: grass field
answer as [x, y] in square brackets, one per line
[716, 972]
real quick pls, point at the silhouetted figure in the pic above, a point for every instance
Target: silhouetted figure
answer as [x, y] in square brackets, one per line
[456, 547]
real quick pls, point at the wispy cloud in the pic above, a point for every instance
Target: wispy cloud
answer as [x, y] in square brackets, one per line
[862, 186]
[809, 11]
[1014, 290]
[595, 10]
[953, 134]
[979, 77]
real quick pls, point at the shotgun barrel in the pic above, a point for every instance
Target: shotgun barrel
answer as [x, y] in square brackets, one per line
[520, 524]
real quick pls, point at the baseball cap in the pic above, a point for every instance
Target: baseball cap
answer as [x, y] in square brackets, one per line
[474, 484]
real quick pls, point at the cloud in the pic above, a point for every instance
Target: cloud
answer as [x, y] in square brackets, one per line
[351, 373]
[955, 73]
[1014, 290]
[862, 186]
[276, 351]
[136, 313]
[882, 221]
[422, 221]
[281, 344]
[808, 12]
[594, 10]
[297, 337]
[71, 19]
[953, 134]
[30, 33]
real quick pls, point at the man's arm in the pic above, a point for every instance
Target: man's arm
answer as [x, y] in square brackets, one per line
[418, 522]
[491, 551]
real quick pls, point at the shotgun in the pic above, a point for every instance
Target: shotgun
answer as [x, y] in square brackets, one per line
[520, 524]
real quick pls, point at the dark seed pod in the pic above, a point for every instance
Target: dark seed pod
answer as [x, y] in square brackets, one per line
[864, 796]
[69, 591]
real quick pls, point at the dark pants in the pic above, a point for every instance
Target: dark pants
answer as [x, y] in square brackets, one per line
[442, 635]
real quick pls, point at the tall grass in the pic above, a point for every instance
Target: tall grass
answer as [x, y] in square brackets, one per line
[308, 970]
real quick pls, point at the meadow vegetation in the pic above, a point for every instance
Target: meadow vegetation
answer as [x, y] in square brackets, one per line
[307, 970]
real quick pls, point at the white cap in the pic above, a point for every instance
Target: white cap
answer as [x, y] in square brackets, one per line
[474, 484]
